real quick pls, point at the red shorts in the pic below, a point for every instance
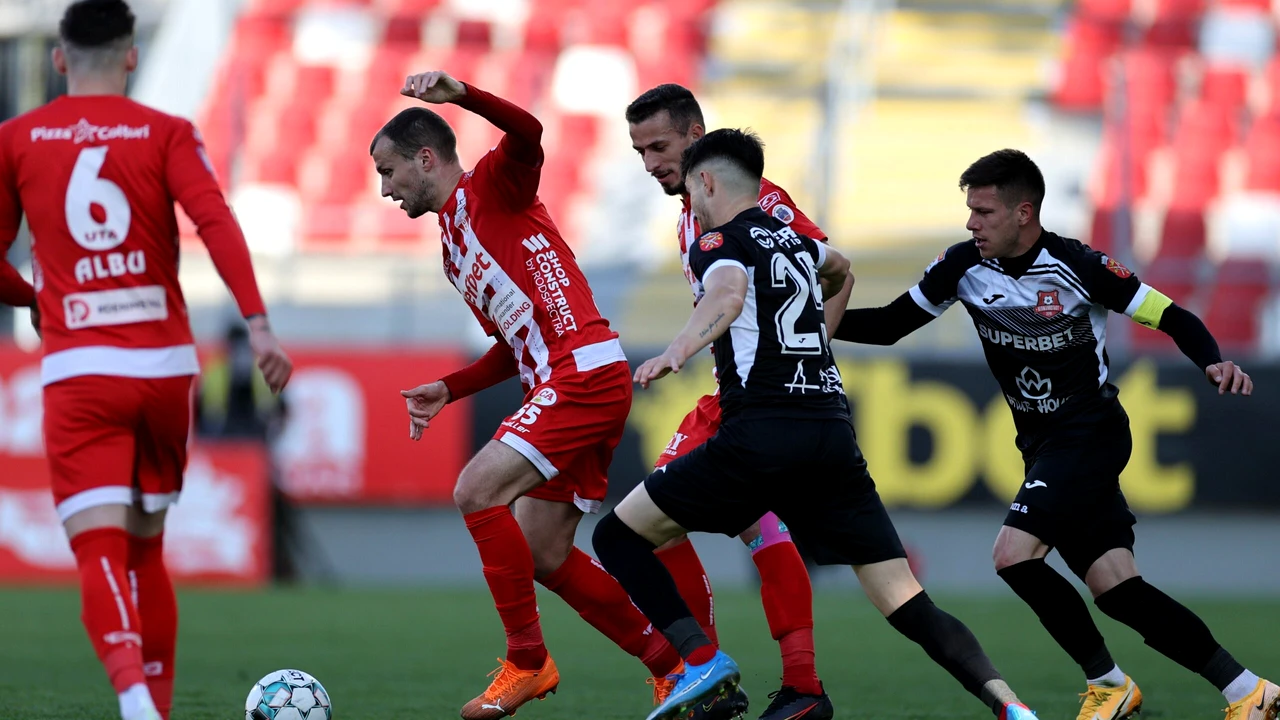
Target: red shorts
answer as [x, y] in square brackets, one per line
[697, 427]
[568, 428]
[116, 441]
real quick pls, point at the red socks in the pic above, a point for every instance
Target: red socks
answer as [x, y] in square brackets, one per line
[602, 602]
[508, 568]
[158, 607]
[788, 606]
[691, 579]
[107, 607]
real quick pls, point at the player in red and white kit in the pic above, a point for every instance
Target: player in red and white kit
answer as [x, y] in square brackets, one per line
[523, 494]
[97, 175]
[664, 121]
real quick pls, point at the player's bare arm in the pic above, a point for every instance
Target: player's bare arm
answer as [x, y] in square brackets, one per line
[834, 274]
[726, 291]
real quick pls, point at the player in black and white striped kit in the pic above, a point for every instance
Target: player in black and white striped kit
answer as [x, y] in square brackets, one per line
[785, 443]
[1040, 304]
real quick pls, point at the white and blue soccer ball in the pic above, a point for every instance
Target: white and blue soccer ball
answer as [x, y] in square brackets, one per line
[288, 695]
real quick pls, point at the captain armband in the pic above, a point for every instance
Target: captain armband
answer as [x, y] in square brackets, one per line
[1148, 306]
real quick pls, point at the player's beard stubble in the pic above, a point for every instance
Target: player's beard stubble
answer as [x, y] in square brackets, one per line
[421, 200]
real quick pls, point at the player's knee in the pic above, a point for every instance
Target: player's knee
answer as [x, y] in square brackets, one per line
[1004, 555]
[548, 558]
[474, 497]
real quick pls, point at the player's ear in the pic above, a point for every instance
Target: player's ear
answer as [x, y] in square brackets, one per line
[708, 181]
[426, 159]
[1026, 212]
[696, 131]
[59, 60]
[131, 59]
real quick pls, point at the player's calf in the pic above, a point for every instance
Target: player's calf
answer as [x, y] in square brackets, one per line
[946, 640]
[110, 617]
[158, 612]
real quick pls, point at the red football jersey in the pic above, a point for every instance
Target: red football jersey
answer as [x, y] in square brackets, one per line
[773, 200]
[504, 254]
[97, 177]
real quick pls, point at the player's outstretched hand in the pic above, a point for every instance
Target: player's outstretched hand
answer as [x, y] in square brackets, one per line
[1229, 378]
[275, 365]
[654, 368]
[433, 87]
[424, 402]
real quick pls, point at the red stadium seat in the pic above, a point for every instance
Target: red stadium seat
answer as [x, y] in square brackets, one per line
[325, 226]
[1179, 10]
[1102, 230]
[279, 166]
[351, 178]
[313, 84]
[1183, 235]
[403, 31]
[476, 34]
[1109, 10]
[394, 228]
[1224, 86]
[1196, 176]
[1238, 292]
[1262, 148]
[1080, 85]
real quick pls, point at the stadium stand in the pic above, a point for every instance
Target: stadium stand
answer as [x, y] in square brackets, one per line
[288, 115]
[1187, 91]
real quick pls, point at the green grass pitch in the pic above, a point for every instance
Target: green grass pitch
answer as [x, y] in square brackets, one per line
[420, 655]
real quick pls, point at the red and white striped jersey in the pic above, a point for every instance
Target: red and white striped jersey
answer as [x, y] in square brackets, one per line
[504, 254]
[97, 178]
[773, 200]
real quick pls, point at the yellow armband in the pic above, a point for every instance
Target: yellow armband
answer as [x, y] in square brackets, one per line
[1151, 308]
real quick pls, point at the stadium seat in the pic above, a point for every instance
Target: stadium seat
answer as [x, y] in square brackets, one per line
[326, 227]
[1115, 11]
[1262, 149]
[1226, 87]
[1182, 236]
[351, 178]
[1102, 229]
[278, 166]
[1238, 292]
[1080, 81]
[1196, 176]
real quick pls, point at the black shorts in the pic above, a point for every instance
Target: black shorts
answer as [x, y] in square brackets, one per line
[1071, 499]
[808, 472]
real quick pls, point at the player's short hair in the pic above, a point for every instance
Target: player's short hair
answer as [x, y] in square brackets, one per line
[677, 100]
[1015, 176]
[96, 32]
[415, 128]
[740, 149]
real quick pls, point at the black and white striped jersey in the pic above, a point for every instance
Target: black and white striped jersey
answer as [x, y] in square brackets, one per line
[1042, 320]
[775, 360]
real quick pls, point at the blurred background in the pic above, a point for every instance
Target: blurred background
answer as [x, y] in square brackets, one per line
[1156, 123]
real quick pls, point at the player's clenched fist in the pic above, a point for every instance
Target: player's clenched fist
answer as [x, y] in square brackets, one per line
[424, 403]
[433, 87]
[275, 365]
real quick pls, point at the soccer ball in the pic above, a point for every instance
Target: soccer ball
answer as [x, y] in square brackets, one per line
[287, 695]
